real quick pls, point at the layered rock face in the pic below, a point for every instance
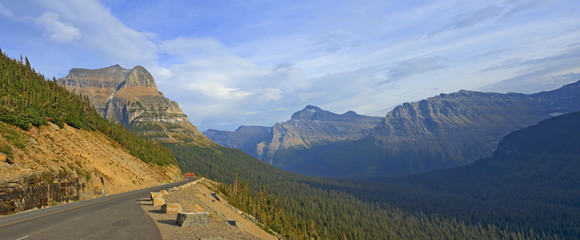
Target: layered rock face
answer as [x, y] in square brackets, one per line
[130, 96]
[307, 128]
[313, 126]
[465, 126]
[34, 192]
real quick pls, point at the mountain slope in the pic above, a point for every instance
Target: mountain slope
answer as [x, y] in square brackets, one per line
[440, 132]
[307, 128]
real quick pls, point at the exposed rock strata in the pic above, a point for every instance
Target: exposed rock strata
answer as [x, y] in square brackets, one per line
[131, 97]
[467, 125]
[38, 191]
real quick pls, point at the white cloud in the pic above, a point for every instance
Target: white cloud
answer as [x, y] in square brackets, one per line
[221, 84]
[57, 30]
[217, 91]
[103, 35]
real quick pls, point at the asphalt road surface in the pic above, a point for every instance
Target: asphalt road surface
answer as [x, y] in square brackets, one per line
[112, 217]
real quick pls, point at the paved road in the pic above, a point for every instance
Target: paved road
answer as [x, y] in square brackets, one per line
[112, 217]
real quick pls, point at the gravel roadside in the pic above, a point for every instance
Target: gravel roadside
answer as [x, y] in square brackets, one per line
[224, 223]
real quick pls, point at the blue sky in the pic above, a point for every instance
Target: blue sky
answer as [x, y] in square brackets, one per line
[232, 63]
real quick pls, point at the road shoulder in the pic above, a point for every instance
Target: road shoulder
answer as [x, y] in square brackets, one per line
[224, 222]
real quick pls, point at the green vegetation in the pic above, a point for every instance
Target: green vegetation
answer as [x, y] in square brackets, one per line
[300, 207]
[13, 136]
[530, 194]
[28, 99]
[7, 150]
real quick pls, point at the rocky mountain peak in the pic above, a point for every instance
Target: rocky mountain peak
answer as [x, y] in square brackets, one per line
[139, 76]
[350, 113]
[311, 113]
[131, 97]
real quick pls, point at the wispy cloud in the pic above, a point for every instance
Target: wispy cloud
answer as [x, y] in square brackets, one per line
[413, 66]
[522, 5]
[481, 15]
[255, 62]
[5, 11]
[569, 55]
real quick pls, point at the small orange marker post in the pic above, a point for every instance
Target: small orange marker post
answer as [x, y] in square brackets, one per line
[198, 207]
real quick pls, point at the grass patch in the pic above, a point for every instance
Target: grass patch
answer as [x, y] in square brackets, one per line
[13, 136]
[7, 150]
[82, 173]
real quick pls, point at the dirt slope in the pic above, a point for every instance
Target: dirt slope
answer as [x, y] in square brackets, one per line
[102, 166]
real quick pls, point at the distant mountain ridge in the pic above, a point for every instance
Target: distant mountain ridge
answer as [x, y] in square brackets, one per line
[306, 128]
[444, 131]
[131, 97]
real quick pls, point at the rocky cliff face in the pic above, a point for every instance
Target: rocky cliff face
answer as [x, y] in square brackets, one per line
[467, 125]
[38, 191]
[444, 131]
[309, 127]
[131, 97]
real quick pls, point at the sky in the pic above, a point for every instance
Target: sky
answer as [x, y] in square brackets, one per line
[233, 63]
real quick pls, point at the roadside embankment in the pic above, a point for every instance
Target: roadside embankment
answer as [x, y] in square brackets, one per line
[225, 222]
[49, 165]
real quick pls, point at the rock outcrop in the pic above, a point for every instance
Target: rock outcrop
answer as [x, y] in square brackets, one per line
[38, 191]
[131, 97]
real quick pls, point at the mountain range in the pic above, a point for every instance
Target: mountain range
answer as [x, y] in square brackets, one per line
[444, 131]
[306, 129]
